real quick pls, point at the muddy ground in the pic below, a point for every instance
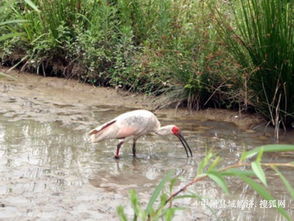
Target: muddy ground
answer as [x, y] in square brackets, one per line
[40, 96]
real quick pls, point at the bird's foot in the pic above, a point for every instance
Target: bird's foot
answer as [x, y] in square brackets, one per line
[116, 157]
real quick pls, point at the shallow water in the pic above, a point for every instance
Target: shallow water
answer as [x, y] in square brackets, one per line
[49, 170]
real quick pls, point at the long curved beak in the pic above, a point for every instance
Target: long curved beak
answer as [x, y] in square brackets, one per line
[185, 144]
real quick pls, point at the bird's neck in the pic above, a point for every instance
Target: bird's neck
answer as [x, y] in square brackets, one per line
[165, 130]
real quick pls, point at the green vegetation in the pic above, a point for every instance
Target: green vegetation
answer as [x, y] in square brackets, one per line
[217, 53]
[231, 54]
[263, 43]
[160, 205]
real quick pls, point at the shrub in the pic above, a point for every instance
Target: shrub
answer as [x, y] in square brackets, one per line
[147, 46]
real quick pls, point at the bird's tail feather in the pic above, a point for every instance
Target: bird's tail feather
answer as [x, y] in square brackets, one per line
[94, 134]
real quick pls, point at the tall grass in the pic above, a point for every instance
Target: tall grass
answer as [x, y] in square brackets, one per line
[45, 30]
[141, 45]
[263, 42]
[181, 49]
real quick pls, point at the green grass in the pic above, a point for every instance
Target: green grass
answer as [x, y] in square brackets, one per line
[262, 40]
[237, 55]
[133, 43]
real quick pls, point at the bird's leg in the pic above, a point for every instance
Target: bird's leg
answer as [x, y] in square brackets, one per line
[134, 148]
[116, 156]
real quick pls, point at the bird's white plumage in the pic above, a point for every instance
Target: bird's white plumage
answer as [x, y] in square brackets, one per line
[132, 124]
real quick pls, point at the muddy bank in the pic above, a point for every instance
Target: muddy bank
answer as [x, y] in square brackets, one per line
[40, 97]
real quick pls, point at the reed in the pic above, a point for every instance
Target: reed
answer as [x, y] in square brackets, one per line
[263, 43]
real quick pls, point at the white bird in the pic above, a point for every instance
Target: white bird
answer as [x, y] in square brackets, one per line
[132, 125]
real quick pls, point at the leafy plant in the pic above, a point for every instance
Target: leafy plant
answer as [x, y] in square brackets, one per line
[210, 167]
[153, 47]
[152, 211]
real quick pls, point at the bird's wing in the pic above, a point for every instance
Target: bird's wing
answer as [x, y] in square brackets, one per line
[102, 127]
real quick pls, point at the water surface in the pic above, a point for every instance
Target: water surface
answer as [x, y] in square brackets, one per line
[50, 171]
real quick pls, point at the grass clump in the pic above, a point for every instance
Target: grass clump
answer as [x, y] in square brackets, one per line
[146, 46]
[201, 53]
[262, 40]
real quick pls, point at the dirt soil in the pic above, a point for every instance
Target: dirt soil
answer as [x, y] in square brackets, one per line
[49, 93]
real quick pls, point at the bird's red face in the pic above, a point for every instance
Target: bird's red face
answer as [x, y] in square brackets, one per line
[175, 130]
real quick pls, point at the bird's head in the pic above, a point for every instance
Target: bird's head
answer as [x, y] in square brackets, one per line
[174, 130]
[169, 129]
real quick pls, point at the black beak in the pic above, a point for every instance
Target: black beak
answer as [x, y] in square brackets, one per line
[185, 144]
